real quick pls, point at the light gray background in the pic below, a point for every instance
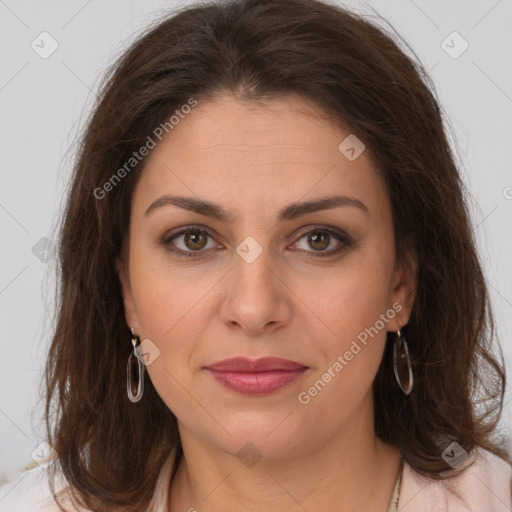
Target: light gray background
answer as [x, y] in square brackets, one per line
[44, 102]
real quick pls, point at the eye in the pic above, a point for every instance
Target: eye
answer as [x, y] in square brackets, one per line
[189, 242]
[193, 242]
[321, 238]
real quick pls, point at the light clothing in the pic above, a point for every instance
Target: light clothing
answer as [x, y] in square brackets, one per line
[484, 486]
[393, 505]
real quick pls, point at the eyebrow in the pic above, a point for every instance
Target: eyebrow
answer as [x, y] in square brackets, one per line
[289, 212]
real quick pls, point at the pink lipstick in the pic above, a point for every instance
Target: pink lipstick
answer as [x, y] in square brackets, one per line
[256, 376]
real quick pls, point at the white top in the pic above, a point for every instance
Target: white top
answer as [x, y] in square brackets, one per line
[485, 486]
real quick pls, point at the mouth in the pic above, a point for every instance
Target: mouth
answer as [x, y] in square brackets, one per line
[256, 376]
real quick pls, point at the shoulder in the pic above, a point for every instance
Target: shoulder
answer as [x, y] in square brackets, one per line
[483, 485]
[29, 491]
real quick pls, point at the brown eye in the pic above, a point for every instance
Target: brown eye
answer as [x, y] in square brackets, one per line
[188, 242]
[195, 240]
[319, 240]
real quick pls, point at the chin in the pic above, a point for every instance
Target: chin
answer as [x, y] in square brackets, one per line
[271, 436]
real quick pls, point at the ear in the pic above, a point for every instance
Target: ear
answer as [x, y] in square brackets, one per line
[403, 290]
[130, 311]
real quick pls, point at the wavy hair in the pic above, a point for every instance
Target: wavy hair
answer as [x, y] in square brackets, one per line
[110, 450]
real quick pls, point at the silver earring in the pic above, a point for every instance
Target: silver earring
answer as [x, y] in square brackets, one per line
[141, 369]
[402, 364]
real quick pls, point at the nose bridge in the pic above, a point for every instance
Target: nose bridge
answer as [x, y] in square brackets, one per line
[256, 297]
[253, 265]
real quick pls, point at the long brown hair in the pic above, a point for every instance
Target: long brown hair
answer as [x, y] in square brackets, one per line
[111, 450]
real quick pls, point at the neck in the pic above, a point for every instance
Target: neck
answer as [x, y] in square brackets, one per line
[352, 469]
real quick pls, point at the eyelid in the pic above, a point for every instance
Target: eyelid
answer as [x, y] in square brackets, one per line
[319, 227]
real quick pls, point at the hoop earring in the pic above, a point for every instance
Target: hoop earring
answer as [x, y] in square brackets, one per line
[402, 364]
[140, 381]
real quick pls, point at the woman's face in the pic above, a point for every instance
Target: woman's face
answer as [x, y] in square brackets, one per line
[267, 275]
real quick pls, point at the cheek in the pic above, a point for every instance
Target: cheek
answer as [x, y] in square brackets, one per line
[351, 298]
[351, 305]
[166, 294]
[167, 308]
[351, 350]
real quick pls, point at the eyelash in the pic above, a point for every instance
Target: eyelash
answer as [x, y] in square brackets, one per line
[345, 240]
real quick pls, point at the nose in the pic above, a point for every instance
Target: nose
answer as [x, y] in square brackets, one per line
[257, 299]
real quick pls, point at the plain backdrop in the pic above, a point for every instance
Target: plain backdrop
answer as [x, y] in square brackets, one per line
[44, 103]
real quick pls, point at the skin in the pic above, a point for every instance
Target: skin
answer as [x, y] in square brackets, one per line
[253, 160]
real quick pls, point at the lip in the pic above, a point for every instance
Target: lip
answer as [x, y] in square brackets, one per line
[246, 365]
[256, 376]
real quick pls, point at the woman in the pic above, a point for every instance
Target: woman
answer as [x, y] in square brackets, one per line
[270, 294]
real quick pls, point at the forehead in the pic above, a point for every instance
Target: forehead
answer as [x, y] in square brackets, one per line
[251, 154]
[251, 132]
